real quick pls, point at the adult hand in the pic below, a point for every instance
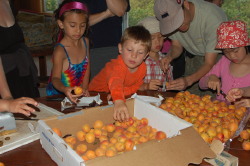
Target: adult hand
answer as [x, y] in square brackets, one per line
[178, 84]
[214, 83]
[120, 111]
[20, 105]
[234, 94]
[154, 84]
[243, 103]
[164, 63]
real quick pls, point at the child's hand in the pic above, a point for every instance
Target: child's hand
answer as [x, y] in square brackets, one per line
[120, 111]
[85, 92]
[68, 92]
[234, 94]
[243, 103]
[20, 105]
[154, 84]
[214, 83]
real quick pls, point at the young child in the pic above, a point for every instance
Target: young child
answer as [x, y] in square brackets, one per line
[71, 54]
[238, 93]
[233, 69]
[7, 103]
[155, 77]
[124, 76]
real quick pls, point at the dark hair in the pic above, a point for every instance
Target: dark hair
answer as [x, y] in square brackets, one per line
[139, 34]
[62, 17]
[247, 49]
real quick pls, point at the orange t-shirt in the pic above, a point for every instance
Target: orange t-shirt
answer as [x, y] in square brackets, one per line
[117, 79]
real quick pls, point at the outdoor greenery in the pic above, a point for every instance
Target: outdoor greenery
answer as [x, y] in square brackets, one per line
[235, 10]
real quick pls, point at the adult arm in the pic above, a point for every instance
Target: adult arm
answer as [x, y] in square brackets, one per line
[175, 51]
[4, 88]
[115, 8]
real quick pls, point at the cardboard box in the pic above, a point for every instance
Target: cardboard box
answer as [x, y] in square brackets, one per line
[183, 145]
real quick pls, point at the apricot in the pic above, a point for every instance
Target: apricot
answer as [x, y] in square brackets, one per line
[110, 152]
[119, 146]
[97, 132]
[80, 135]
[78, 90]
[57, 131]
[90, 137]
[160, 135]
[84, 157]
[98, 124]
[100, 152]
[129, 145]
[246, 145]
[86, 128]
[90, 154]
[233, 126]
[70, 140]
[81, 148]
[110, 128]
[244, 134]
[1, 164]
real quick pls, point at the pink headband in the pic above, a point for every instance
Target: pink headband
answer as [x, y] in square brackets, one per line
[72, 5]
[67, 7]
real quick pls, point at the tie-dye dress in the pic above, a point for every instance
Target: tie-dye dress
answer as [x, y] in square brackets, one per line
[71, 77]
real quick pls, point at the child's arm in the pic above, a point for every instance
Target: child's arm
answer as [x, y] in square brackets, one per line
[85, 83]
[58, 57]
[18, 105]
[243, 103]
[120, 111]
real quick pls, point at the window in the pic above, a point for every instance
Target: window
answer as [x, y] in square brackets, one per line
[50, 5]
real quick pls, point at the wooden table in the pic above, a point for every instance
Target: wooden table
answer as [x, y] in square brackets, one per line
[34, 155]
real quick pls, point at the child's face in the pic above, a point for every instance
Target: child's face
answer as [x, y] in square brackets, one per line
[236, 55]
[74, 25]
[157, 42]
[133, 53]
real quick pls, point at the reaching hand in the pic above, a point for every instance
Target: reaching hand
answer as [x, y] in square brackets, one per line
[178, 84]
[154, 84]
[20, 105]
[71, 97]
[234, 94]
[164, 62]
[243, 103]
[120, 111]
[214, 83]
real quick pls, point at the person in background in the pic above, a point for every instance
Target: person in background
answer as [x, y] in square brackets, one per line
[191, 25]
[233, 69]
[7, 103]
[124, 75]
[19, 67]
[155, 77]
[237, 95]
[105, 31]
[216, 2]
[71, 54]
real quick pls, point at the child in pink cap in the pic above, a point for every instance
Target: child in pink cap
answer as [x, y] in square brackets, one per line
[233, 69]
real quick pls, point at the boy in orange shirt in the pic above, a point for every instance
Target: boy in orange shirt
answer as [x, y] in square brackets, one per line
[124, 76]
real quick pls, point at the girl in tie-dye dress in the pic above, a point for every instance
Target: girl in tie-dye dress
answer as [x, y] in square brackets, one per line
[70, 56]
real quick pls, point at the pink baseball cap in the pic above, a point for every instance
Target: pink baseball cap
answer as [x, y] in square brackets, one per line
[232, 34]
[170, 14]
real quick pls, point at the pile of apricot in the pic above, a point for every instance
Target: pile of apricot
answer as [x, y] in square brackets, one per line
[212, 119]
[111, 139]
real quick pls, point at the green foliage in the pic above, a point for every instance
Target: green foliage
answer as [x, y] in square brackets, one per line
[235, 10]
[51, 5]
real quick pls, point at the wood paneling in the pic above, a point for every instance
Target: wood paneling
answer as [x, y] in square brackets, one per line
[31, 5]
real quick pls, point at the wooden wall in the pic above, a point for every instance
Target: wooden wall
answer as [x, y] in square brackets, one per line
[31, 5]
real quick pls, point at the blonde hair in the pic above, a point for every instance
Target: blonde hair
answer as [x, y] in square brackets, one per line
[139, 34]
